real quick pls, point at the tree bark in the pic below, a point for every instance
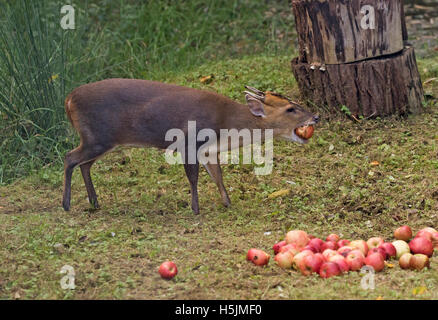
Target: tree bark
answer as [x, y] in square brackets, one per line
[332, 32]
[376, 87]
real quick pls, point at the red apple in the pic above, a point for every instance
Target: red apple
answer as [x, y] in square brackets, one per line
[343, 265]
[316, 243]
[379, 250]
[401, 247]
[290, 247]
[390, 250]
[328, 253]
[284, 259]
[329, 245]
[355, 260]
[419, 262]
[376, 261]
[375, 242]
[424, 234]
[361, 245]
[310, 248]
[321, 255]
[344, 251]
[313, 263]
[403, 233]
[333, 237]
[329, 269]
[298, 262]
[405, 261]
[421, 245]
[430, 230]
[297, 237]
[168, 270]
[343, 243]
[250, 254]
[336, 257]
[259, 257]
[278, 246]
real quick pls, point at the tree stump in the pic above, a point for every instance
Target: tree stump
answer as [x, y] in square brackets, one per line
[352, 54]
[375, 87]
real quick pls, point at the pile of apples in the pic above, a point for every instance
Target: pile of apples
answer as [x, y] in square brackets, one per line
[336, 256]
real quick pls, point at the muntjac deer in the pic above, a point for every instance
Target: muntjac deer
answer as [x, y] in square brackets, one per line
[116, 112]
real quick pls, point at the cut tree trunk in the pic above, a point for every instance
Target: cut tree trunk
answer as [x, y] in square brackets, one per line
[331, 31]
[375, 87]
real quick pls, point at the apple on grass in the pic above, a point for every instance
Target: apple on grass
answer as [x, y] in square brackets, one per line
[297, 237]
[284, 259]
[168, 270]
[316, 243]
[361, 245]
[419, 261]
[329, 245]
[345, 250]
[343, 265]
[376, 261]
[290, 247]
[401, 248]
[390, 250]
[313, 263]
[278, 246]
[328, 253]
[333, 238]
[258, 257]
[378, 250]
[329, 269]
[375, 242]
[343, 243]
[298, 262]
[355, 260]
[424, 234]
[403, 233]
[405, 261]
[421, 245]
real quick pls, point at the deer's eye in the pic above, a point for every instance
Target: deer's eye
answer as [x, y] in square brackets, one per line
[290, 110]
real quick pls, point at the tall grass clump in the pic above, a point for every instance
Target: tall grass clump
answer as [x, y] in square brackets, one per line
[39, 63]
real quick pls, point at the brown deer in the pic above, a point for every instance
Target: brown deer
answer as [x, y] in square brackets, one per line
[115, 112]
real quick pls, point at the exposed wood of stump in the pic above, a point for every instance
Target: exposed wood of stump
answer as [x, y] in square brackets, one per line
[375, 87]
[330, 32]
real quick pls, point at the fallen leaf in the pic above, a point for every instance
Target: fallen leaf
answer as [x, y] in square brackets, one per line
[389, 265]
[419, 291]
[375, 163]
[379, 298]
[279, 193]
[207, 79]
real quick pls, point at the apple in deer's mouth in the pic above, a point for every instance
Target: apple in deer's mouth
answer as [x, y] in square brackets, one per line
[305, 132]
[168, 270]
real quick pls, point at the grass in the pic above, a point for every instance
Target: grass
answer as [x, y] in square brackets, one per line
[146, 217]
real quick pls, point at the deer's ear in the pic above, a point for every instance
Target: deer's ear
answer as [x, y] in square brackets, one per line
[255, 106]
